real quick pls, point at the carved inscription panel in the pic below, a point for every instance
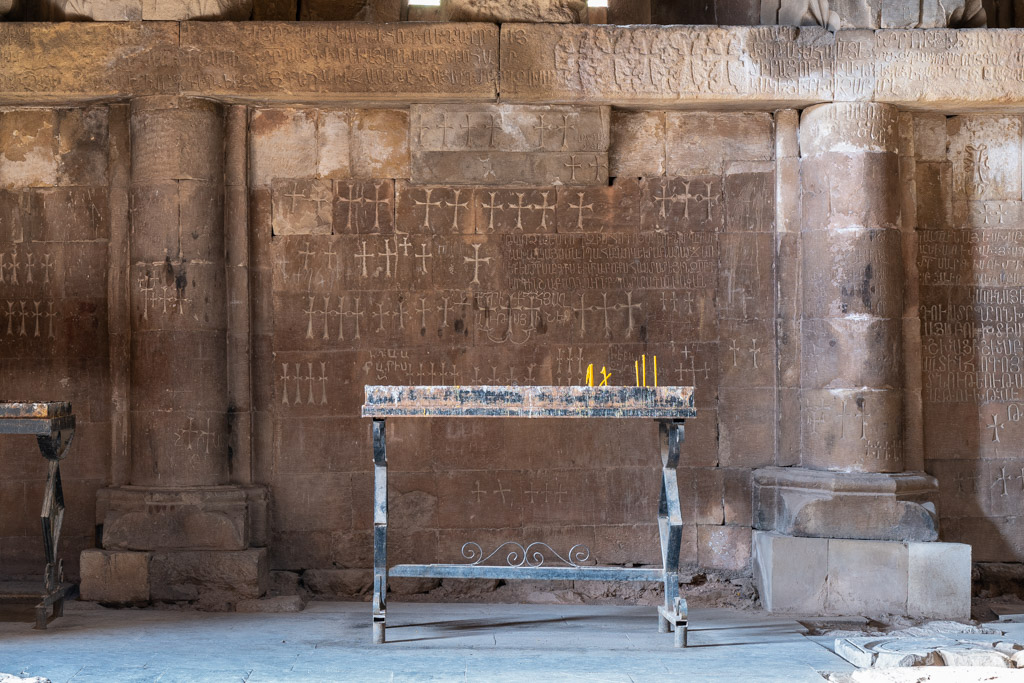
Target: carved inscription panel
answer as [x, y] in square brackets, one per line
[971, 311]
[392, 281]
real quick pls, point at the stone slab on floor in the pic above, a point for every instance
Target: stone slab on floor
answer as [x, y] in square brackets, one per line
[331, 641]
[896, 651]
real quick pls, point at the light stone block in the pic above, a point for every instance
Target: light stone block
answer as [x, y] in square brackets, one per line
[282, 144]
[929, 137]
[866, 577]
[840, 577]
[939, 582]
[334, 144]
[114, 576]
[791, 573]
[380, 143]
[28, 148]
[501, 11]
[182, 10]
[637, 144]
[985, 152]
[699, 143]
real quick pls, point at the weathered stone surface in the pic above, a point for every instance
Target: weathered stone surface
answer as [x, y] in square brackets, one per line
[210, 576]
[104, 59]
[509, 128]
[939, 584]
[120, 577]
[275, 605]
[338, 582]
[637, 145]
[850, 577]
[334, 61]
[873, 14]
[510, 168]
[701, 143]
[540, 64]
[790, 572]
[154, 519]
[802, 502]
[501, 11]
[303, 207]
[283, 144]
[585, 64]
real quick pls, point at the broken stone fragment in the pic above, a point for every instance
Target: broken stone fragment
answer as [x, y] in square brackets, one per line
[527, 11]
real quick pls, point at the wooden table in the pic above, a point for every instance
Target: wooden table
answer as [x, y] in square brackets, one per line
[53, 425]
[669, 406]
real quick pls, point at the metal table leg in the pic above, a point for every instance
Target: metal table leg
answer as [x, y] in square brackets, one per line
[671, 615]
[53, 447]
[380, 532]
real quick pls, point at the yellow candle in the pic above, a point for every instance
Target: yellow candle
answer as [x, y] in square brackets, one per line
[655, 371]
[644, 359]
[636, 366]
[590, 375]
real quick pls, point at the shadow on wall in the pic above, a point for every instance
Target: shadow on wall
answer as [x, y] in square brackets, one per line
[127, 10]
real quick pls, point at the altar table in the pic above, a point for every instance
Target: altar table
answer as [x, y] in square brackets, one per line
[669, 406]
[53, 425]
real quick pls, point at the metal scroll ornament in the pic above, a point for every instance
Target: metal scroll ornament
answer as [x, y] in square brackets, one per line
[533, 555]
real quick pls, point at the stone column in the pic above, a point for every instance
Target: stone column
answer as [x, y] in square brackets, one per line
[179, 396]
[848, 531]
[179, 520]
[851, 379]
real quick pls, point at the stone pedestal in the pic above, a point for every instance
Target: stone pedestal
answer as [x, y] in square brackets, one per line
[181, 509]
[850, 486]
[804, 502]
[843, 577]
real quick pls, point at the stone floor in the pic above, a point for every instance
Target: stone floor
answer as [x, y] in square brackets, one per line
[331, 641]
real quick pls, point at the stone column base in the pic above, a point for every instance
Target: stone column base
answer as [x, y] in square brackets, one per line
[215, 579]
[185, 518]
[796, 501]
[843, 577]
[191, 544]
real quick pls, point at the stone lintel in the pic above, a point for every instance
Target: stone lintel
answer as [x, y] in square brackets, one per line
[841, 577]
[762, 66]
[853, 505]
[61, 63]
[663, 67]
[196, 518]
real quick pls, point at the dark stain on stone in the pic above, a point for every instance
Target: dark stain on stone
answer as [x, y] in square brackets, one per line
[865, 287]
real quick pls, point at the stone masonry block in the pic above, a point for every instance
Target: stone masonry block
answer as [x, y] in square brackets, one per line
[836, 577]
[866, 577]
[282, 144]
[939, 581]
[209, 575]
[791, 572]
[637, 144]
[114, 576]
[700, 143]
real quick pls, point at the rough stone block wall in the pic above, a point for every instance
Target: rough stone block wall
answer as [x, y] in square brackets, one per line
[371, 269]
[54, 228]
[971, 272]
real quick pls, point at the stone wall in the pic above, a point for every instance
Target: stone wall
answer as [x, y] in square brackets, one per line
[970, 264]
[57, 198]
[375, 271]
[585, 217]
